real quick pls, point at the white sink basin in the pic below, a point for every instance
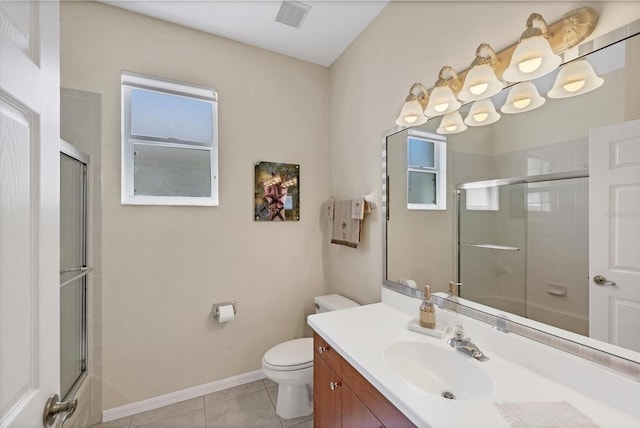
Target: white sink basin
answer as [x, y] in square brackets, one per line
[439, 370]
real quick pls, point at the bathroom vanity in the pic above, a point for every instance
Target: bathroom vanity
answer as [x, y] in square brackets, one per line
[371, 370]
[342, 397]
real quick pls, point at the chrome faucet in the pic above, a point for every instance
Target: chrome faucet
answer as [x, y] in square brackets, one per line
[464, 344]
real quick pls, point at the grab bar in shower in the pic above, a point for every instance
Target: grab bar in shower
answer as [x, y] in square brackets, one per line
[490, 246]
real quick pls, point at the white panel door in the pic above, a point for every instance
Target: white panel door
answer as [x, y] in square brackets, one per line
[614, 234]
[29, 210]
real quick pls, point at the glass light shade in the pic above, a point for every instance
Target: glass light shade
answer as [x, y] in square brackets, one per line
[522, 97]
[481, 82]
[451, 123]
[482, 113]
[575, 78]
[441, 102]
[532, 58]
[411, 114]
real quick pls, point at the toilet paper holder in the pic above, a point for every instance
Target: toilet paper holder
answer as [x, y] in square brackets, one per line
[216, 306]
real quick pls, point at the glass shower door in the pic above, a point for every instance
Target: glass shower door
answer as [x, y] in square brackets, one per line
[492, 233]
[73, 269]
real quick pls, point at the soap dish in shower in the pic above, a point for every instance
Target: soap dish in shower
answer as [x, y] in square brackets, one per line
[414, 325]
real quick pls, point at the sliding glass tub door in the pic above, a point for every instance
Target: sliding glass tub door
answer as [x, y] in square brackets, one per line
[73, 268]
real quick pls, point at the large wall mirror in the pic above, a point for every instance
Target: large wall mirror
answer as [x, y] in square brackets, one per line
[538, 222]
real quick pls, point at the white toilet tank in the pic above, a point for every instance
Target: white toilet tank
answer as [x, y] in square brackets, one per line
[332, 302]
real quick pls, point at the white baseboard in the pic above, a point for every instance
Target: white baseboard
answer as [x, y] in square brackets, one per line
[177, 396]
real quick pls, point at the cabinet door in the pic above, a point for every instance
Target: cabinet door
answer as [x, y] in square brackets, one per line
[355, 414]
[327, 395]
[372, 399]
[328, 354]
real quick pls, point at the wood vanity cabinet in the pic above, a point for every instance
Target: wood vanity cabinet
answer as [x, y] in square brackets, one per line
[342, 397]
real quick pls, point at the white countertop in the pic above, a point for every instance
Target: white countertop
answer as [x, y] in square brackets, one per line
[361, 334]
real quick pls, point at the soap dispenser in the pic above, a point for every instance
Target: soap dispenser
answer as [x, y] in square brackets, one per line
[427, 310]
[454, 291]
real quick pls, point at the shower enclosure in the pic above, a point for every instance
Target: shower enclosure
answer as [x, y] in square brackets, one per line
[73, 268]
[523, 246]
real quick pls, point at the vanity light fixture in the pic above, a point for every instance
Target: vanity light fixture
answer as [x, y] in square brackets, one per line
[412, 112]
[482, 113]
[533, 56]
[522, 97]
[442, 99]
[481, 81]
[575, 78]
[451, 123]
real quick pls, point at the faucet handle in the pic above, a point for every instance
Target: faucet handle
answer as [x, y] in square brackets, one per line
[458, 331]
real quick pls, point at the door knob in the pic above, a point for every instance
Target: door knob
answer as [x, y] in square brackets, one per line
[54, 407]
[601, 280]
[334, 385]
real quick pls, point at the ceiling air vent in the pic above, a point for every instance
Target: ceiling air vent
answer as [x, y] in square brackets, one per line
[292, 13]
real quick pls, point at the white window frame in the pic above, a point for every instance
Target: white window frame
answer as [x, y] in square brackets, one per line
[439, 169]
[131, 81]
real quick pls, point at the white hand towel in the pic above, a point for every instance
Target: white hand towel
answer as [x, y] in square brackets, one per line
[345, 230]
[328, 209]
[357, 208]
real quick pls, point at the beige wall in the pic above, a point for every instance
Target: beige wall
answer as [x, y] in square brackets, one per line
[163, 267]
[409, 42]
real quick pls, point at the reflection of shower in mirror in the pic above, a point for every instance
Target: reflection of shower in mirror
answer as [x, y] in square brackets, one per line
[526, 248]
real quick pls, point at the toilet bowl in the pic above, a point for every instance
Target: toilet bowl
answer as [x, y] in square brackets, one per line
[290, 365]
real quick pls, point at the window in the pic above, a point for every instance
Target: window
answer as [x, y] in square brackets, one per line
[426, 171]
[169, 142]
[483, 199]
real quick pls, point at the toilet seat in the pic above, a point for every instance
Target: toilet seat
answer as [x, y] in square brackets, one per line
[295, 354]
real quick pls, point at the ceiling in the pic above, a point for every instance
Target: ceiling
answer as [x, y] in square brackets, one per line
[328, 29]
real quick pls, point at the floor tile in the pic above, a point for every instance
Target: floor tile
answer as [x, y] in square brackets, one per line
[273, 395]
[249, 410]
[193, 419]
[306, 424]
[234, 392]
[287, 423]
[296, 422]
[268, 383]
[155, 415]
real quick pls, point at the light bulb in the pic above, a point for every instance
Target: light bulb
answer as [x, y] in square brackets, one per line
[523, 103]
[451, 128]
[411, 119]
[574, 86]
[530, 65]
[479, 88]
[441, 107]
[480, 117]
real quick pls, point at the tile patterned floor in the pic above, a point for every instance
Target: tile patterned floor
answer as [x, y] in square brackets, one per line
[249, 405]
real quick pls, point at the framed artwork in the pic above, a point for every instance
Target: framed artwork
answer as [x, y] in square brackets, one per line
[277, 191]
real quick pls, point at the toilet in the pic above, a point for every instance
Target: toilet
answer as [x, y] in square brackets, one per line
[290, 365]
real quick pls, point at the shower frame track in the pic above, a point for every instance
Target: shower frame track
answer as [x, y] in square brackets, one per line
[554, 176]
